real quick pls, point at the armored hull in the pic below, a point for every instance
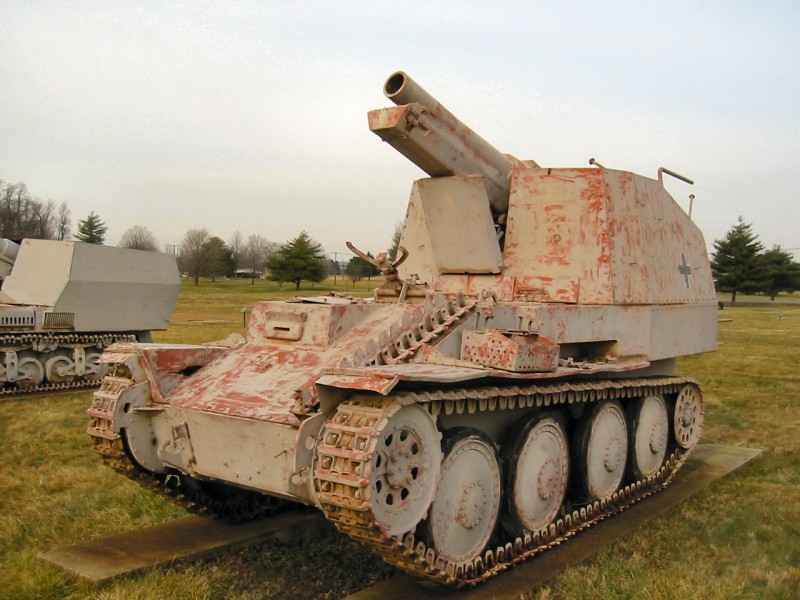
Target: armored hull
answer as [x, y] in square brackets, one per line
[511, 383]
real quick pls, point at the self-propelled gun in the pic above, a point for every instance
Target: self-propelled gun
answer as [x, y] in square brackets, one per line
[512, 382]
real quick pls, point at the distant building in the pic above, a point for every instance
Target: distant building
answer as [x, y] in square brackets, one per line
[248, 274]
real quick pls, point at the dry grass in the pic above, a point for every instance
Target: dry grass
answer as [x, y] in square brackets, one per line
[212, 310]
[740, 538]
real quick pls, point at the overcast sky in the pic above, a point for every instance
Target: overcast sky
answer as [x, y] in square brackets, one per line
[251, 116]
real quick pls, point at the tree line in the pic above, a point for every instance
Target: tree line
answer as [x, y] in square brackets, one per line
[200, 254]
[23, 215]
[300, 259]
[740, 264]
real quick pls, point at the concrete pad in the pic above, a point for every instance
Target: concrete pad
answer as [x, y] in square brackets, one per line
[193, 538]
[707, 464]
[185, 539]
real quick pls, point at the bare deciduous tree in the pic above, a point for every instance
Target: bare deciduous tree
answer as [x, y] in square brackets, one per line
[23, 216]
[255, 254]
[63, 222]
[43, 219]
[139, 237]
[192, 255]
[236, 245]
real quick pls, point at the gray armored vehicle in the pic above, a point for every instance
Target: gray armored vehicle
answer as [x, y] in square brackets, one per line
[63, 303]
[512, 383]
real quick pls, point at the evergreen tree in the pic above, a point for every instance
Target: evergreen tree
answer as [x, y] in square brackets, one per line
[372, 270]
[395, 247]
[356, 268]
[217, 259]
[91, 230]
[780, 272]
[297, 260]
[736, 262]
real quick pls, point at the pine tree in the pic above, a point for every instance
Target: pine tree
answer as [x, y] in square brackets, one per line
[780, 272]
[395, 247]
[218, 260]
[91, 230]
[356, 268]
[736, 262]
[298, 260]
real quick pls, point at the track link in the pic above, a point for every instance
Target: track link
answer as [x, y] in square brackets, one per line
[15, 392]
[347, 448]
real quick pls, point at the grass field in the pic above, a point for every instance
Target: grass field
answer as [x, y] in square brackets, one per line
[740, 538]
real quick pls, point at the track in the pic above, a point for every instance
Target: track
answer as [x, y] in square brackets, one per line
[345, 458]
[40, 390]
[707, 464]
[43, 345]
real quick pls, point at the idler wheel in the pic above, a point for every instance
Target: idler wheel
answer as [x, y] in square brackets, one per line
[600, 451]
[689, 416]
[537, 472]
[648, 423]
[465, 509]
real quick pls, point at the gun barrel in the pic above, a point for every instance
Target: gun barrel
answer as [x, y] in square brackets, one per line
[431, 137]
[401, 89]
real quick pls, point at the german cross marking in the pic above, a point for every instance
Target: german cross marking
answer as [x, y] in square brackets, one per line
[685, 270]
